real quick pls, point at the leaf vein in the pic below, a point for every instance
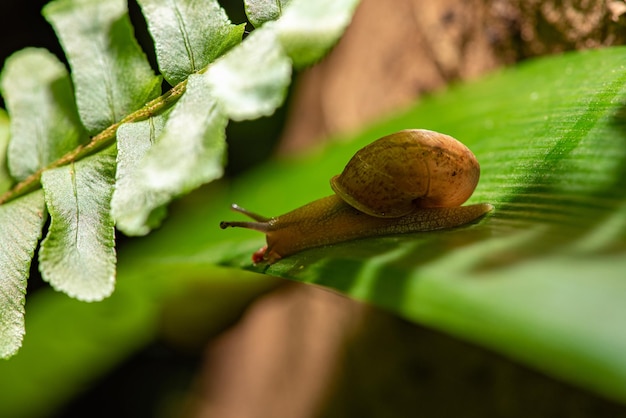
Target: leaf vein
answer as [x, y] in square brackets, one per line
[108, 86]
[75, 194]
[185, 36]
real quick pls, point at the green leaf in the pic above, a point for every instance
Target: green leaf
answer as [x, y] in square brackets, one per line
[308, 29]
[44, 120]
[188, 153]
[111, 74]
[21, 222]
[542, 279]
[261, 11]
[188, 35]
[136, 208]
[252, 79]
[5, 132]
[78, 254]
[74, 344]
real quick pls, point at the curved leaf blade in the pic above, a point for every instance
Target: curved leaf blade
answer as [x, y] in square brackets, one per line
[188, 35]
[251, 80]
[111, 74]
[308, 29]
[78, 254]
[44, 120]
[136, 209]
[21, 222]
[5, 132]
[188, 153]
[261, 11]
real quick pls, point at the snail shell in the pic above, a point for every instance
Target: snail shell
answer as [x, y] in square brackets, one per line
[411, 168]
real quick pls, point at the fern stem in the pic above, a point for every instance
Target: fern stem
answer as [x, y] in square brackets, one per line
[98, 142]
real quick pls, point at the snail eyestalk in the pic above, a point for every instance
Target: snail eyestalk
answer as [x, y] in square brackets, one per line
[260, 218]
[261, 224]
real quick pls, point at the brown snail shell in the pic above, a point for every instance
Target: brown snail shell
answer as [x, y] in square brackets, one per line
[408, 169]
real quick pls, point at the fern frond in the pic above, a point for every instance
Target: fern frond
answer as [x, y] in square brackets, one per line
[146, 147]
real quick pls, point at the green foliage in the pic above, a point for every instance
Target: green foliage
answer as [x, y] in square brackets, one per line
[135, 206]
[261, 11]
[540, 279]
[20, 224]
[169, 143]
[111, 75]
[298, 26]
[300, 33]
[78, 254]
[252, 80]
[181, 48]
[177, 164]
[5, 132]
[44, 119]
[72, 343]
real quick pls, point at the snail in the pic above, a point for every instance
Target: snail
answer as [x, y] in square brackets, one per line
[410, 181]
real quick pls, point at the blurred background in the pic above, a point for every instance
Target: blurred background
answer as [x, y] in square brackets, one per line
[238, 345]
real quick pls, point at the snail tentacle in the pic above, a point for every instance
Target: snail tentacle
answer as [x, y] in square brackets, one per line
[262, 223]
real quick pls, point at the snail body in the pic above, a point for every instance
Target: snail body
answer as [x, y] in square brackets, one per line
[410, 181]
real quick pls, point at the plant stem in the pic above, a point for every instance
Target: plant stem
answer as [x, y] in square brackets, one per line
[97, 143]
